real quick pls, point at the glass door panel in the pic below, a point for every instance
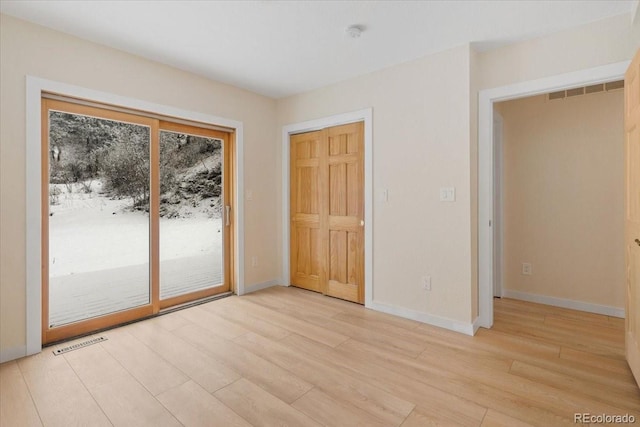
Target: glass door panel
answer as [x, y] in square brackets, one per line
[98, 216]
[192, 204]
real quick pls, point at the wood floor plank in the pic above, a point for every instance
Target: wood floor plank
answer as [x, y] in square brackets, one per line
[293, 324]
[498, 419]
[375, 324]
[518, 313]
[228, 310]
[42, 362]
[305, 297]
[286, 299]
[488, 350]
[457, 384]
[539, 393]
[329, 305]
[602, 330]
[216, 324]
[59, 396]
[261, 408]
[16, 405]
[411, 346]
[530, 307]
[276, 380]
[333, 381]
[153, 372]
[614, 396]
[170, 321]
[596, 376]
[193, 406]
[618, 322]
[475, 358]
[330, 412]
[122, 398]
[446, 406]
[613, 365]
[542, 393]
[492, 341]
[198, 365]
[421, 417]
[561, 337]
[515, 345]
[95, 366]
[127, 403]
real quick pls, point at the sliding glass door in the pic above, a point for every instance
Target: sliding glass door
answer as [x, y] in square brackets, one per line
[193, 217]
[135, 216]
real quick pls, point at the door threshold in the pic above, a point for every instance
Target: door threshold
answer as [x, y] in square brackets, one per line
[193, 303]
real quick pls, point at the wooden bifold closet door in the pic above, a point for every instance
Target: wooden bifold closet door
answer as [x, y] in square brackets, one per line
[327, 211]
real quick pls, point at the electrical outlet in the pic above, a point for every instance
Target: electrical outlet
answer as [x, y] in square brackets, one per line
[448, 194]
[254, 261]
[526, 269]
[426, 283]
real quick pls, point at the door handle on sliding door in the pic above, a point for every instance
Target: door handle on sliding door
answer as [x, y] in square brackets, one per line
[228, 215]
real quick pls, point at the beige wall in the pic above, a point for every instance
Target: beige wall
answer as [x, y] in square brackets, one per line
[599, 43]
[420, 143]
[563, 197]
[26, 49]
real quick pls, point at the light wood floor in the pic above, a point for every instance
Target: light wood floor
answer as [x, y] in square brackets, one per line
[288, 357]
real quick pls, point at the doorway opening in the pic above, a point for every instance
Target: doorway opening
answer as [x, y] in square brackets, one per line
[486, 197]
[559, 199]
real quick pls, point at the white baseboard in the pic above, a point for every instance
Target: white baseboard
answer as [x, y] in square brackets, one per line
[606, 310]
[430, 319]
[476, 325]
[13, 353]
[263, 285]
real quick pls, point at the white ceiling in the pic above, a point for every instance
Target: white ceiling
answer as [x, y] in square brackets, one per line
[280, 48]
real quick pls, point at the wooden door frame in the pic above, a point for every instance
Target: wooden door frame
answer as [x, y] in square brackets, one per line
[366, 116]
[486, 99]
[35, 87]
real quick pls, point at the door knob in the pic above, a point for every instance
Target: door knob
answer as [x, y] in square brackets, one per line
[362, 223]
[637, 241]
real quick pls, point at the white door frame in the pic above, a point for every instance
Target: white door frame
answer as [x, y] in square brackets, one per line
[486, 99]
[498, 197]
[35, 87]
[366, 116]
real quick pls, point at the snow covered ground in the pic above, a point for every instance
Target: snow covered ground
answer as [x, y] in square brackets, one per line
[98, 254]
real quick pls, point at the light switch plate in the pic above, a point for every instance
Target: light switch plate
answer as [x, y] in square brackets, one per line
[384, 195]
[448, 194]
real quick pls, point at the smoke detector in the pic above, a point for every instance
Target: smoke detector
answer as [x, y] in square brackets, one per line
[354, 31]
